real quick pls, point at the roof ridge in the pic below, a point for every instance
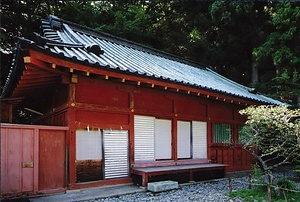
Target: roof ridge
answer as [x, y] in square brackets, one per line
[44, 41]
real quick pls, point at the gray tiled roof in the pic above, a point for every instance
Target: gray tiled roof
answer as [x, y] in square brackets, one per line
[71, 41]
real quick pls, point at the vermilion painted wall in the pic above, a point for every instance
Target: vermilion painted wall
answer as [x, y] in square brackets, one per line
[107, 104]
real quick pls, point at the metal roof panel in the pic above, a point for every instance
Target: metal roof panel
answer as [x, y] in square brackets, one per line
[127, 56]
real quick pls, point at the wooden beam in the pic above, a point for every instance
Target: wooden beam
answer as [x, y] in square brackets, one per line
[12, 99]
[34, 76]
[39, 80]
[39, 73]
[33, 111]
[101, 108]
[36, 64]
[29, 85]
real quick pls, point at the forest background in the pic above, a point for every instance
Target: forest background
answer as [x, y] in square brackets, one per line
[253, 43]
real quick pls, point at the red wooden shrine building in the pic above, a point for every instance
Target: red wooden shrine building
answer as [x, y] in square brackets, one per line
[114, 111]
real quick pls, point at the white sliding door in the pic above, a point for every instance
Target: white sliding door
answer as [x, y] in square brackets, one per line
[116, 162]
[163, 139]
[184, 139]
[199, 134]
[144, 138]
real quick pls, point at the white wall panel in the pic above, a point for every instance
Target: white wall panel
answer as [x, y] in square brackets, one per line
[143, 138]
[163, 139]
[88, 145]
[199, 134]
[183, 139]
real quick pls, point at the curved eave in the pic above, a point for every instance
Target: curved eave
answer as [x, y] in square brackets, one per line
[91, 68]
[13, 74]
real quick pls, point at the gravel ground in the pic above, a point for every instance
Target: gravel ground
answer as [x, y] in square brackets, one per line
[215, 190]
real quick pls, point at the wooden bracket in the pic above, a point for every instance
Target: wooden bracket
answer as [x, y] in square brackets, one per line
[74, 78]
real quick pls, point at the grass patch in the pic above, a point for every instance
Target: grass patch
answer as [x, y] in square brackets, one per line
[260, 194]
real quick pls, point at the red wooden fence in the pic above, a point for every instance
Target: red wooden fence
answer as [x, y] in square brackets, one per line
[32, 159]
[233, 155]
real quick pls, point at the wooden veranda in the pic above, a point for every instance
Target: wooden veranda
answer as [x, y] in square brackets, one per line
[147, 172]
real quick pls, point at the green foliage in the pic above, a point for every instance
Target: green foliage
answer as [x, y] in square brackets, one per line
[274, 131]
[287, 189]
[280, 44]
[259, 193]
[87, 13]
[297, 167]
[286, 185]
[286, 86]
[256, 171]
[282, 49]
[129, 23]
[21, 18]
[237, 31]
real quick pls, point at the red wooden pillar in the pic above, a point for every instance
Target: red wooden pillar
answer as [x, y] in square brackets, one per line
[131, 128]
[72, 136]
[209, 140]
[131, 138]
[174, 139]
[174, 131]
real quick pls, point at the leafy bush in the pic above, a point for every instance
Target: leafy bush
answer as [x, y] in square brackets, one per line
[297, 168]
[259, 192]
[285, 184]
[274, 131]
[257, 172]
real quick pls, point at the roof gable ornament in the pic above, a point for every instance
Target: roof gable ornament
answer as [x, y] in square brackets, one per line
[55, 22]
[94, 48]
[252, 90]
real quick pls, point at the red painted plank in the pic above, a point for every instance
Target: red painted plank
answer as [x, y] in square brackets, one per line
[27, 159]
[52, 171]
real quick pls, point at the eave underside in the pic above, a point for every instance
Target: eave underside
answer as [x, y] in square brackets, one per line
[42, 71]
